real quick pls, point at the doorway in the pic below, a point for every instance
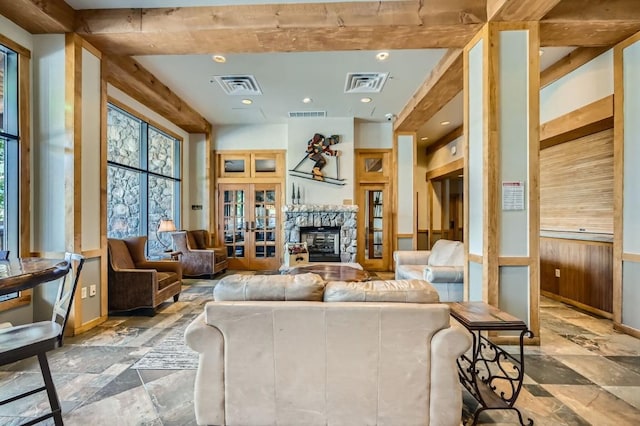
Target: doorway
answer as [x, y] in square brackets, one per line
[446, 218]
[249, 215]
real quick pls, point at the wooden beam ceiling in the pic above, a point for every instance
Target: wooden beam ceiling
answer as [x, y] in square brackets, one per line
[129, 76]
[574, 60]
[283, 27]
[40, 17]
[442, 85]
[519, 11]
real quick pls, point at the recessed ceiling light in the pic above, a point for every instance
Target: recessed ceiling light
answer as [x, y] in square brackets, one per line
[219, 59]
[382, 56]
[365, 100]
[445, 123]
[424, 138]
[247, 101]
[307, 100]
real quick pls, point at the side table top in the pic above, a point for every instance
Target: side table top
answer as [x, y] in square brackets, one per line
[482, 316]
[332, 272]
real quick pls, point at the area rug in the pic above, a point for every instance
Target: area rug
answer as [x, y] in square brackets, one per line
[171, 353]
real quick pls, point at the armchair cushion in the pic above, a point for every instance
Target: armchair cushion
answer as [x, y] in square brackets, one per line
[447, 253]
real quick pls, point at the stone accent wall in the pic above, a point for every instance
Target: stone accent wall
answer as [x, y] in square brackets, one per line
[297, 215]
[124, 186]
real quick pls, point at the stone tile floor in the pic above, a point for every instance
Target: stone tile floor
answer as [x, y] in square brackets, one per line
[583, 373]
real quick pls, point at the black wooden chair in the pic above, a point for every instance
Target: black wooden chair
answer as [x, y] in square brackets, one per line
[4, 254]
[24, 341]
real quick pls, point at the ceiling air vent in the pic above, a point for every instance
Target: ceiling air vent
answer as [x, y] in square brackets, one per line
[239, 84]
[365, 82]
[307, 114]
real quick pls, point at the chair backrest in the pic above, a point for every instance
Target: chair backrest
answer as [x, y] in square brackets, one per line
[180, 241]
[4, 254]
[136, 248]
[198, 239]
[67, 289]
[119, 256]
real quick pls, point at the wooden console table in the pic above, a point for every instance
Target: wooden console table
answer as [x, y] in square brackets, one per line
[493, 376]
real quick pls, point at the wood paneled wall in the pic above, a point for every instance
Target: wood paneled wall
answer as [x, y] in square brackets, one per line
[586, 273]
[576, 185]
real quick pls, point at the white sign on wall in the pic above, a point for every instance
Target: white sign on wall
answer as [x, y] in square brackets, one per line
[512, 195]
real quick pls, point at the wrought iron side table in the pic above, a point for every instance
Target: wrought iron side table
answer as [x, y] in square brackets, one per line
[492, 375]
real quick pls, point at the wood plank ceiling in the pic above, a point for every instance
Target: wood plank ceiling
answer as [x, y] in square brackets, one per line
[409, 24]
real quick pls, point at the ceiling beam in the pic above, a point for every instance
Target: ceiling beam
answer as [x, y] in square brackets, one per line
[442, 85]
[283, 27]
[519, 10]
[589, 23]
[132, 78]
[574, 60]
[40, 16]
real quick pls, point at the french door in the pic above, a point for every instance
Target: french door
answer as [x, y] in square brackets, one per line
[249, 214]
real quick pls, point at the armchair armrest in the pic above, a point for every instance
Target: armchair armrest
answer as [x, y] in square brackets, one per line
[411, 257]
[162, 266]
[444, 274]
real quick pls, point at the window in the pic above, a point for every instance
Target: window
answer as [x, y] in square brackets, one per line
[9, 139]
[143, 179]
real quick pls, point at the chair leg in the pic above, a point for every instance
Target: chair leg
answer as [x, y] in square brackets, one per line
[51, 389]
[176, 297]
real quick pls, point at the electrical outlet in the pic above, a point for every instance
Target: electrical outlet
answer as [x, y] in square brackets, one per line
[557, 273]
[83, 293]
[92, 290]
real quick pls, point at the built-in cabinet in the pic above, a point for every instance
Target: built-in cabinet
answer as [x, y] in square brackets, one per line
[373, 195]
[249, 204]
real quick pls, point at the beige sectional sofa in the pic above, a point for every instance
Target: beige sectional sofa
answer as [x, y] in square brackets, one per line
[442, 266]
[294, 350]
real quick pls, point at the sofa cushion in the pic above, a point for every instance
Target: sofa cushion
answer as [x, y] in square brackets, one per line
[165, 279]
[407, 291]
[409, 272]
[307, 287]
[447, 253]
[444, 274]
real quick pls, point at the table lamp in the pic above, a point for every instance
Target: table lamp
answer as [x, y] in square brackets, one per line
[165, 225]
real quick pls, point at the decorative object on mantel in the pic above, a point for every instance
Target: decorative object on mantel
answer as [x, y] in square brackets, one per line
[295, 199]
[317, 148]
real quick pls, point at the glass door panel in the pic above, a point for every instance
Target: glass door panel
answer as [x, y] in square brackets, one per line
[375, 227]
[234, 222]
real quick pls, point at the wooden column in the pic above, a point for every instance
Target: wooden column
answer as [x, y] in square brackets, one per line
[626, 224]
[501, 122]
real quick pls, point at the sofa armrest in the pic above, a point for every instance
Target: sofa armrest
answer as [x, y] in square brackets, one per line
[446, 396]
[209, 384]
[411, 257]
[444, 274]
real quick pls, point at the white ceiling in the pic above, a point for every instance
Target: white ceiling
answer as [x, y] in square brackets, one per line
[287, 78]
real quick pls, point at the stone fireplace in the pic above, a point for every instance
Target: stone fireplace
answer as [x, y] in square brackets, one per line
[314, 217]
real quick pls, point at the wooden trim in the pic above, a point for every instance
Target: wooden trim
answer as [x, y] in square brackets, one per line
[515, 261]
[582, 306]
[23, 299]
[443, 141]
[104, 277]
[574, 60]
[631, 257]
[89, 325]
[515, 340]
[73, 156]
[91, 48]
[40, 17]
[132, 78]
[404, 236]
[394, 206]
[446, 169]
[19, 49]
[534, 178]
[618, 179]
[24, 111]
[93, 253]
[139, 115]
[628, 42]
[583, 242]
[627, 330]
[589, 119]
[475, 258]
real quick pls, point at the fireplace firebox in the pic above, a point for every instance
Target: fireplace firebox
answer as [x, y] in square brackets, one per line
[323, 243]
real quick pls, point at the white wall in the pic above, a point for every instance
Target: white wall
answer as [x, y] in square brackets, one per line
[405, 189]
[264, 136]
[16, 33]
[198, 193]
[589, 83]
[49, 138]
[373, 135]
[443, 156]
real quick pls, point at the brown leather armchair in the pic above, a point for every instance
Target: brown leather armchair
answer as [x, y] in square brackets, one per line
[198, 257]
[135, 282]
